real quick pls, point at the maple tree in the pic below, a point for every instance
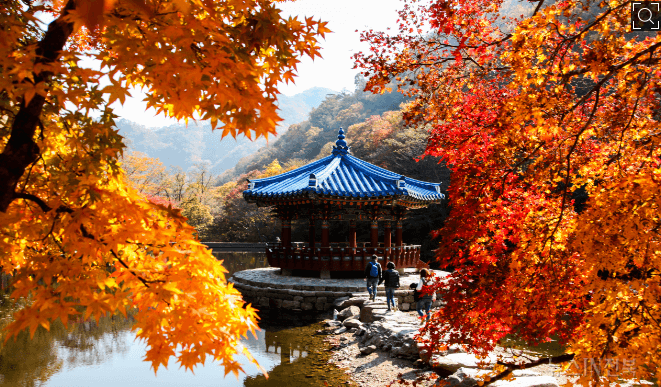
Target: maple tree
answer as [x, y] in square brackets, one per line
[78, 239]
[547, 114]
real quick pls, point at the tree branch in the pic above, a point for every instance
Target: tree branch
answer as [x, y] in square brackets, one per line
[21, 150]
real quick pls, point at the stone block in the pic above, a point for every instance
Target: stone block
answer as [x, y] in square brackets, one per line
[408, 299]
[321, 299]
[306, 306]
[290, 304]
[310, 300]
[369, 312]
[404, 306]
[324, 293]
[308, 293]
[298, 298]
[319, 306]
[263, 301]
[348, 312]
[275, 303]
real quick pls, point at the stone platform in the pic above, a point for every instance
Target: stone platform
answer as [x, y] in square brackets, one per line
[266, 288]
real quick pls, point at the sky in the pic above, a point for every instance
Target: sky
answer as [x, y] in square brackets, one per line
[333, 70]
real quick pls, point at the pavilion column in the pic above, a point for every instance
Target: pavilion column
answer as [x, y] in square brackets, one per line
[311, 233]
[285, 234]
[386, 236]
[398, 233]
[324, 233]
[352, 233]
[374, 226]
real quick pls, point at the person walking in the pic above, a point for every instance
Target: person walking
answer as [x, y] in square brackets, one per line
[373, 276]
[391, 283]
[427, 295]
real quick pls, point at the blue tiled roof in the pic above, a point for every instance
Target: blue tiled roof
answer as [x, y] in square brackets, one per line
[342, 175]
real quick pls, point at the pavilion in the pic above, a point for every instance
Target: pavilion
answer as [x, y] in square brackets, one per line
[341, 187]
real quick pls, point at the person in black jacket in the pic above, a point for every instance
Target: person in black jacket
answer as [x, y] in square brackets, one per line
[373, 276]
[391, 279]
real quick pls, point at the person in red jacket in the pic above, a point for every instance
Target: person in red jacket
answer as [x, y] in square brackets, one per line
[427, 295]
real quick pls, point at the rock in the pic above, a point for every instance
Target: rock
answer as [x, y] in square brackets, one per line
[405, 306]
[346, 302]
[306, 306]
[338, 302]
[352, 323]
[332, 323]
[408, 350]
[525, 372]
[367, 350]
[335, 312]
[454, 361]
[348, 312]
[527, 381]
[339, 331]
[361, 331]
[465, 377]
[353, 330]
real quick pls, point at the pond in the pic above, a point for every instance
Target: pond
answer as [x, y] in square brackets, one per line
[107, 354]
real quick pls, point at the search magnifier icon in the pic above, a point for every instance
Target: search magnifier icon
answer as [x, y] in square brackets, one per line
[644, 11]
[645, 15]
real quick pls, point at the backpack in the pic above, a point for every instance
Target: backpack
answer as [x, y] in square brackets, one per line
[426, 289]
[374, 270]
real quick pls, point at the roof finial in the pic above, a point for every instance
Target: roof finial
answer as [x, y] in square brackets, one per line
[341, 146]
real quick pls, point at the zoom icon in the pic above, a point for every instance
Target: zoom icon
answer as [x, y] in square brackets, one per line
[646, 16]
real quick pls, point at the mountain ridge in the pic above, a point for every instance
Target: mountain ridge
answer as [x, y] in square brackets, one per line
[180, 146]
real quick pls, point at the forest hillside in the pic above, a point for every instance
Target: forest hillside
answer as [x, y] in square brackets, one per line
[215, 205]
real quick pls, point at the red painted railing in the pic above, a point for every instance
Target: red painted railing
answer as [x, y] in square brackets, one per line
[340, 258]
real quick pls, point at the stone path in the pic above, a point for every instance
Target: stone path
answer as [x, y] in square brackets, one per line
[266, 288]
[271, 277]
[393, 335]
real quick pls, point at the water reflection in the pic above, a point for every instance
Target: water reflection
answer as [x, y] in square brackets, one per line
[234, 262]
[107, 354]
[32, 362]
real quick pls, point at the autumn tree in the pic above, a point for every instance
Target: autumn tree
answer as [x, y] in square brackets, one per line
[548, 114]
[147, 175]
[76, 236]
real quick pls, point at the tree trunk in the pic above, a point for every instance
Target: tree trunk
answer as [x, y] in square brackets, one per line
[21, 149]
